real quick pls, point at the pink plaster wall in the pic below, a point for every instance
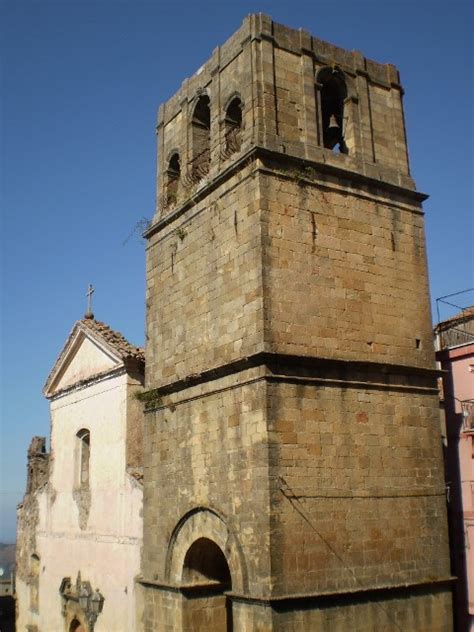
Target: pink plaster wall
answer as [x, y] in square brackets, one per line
[458, 386]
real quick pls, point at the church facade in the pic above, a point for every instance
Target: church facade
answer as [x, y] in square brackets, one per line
[293, 467]
[80, 523]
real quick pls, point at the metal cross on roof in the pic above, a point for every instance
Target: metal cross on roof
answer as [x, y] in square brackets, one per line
[89, 293]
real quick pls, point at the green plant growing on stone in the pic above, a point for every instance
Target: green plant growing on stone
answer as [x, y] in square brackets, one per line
[151, 399]
[303, 174]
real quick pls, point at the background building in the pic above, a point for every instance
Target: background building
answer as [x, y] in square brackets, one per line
[455, 354]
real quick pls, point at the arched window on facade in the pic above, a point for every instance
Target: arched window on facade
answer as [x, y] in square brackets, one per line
[333, 93]
[173, 174]
[83, 456]
[233, 126]
[34, 582]
[201, 137]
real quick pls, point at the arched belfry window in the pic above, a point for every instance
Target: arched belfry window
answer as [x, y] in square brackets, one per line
[333, 94]
[173, 174]
[201, 137]
[83, 456]
[233, 126]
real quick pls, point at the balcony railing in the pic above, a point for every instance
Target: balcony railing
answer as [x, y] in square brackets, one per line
[455, 337]
[455, 320]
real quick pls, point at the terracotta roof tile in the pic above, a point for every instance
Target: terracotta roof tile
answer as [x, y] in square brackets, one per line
[115, 339]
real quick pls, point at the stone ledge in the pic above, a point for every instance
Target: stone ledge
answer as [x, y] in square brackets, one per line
[309, 370]
[356, 178]
[294, 599]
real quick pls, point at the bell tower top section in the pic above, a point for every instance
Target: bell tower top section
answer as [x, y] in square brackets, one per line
[282, 91]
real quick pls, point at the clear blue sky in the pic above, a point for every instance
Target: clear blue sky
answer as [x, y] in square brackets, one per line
[81, 83]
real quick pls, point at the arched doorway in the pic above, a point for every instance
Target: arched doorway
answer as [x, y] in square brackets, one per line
[206, 579]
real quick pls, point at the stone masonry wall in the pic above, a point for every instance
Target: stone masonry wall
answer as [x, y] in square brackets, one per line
[274, 70]
[324, 489]
[27, 514]
[358, 496]
[134, 439]
[423, 612]
[174, 119]
[292, 414]
[204, 289]
[344, 270]
[361, 291]
[211, 442]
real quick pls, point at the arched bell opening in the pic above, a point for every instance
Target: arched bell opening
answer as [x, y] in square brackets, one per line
[173, 174]
[333, 94]
[233, 127]
[206, 580]
[201, 137]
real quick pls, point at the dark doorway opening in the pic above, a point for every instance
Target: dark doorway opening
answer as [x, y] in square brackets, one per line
[206, 580]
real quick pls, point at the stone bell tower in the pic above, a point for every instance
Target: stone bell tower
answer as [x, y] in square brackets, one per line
[293, 468]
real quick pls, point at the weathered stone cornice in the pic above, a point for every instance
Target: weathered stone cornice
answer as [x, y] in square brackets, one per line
[308, 370]
[354, 177]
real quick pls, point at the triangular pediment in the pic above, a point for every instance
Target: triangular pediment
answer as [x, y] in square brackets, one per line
[84, 356]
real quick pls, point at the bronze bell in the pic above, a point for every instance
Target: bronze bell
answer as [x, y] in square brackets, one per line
[332, 133]
[333, 124]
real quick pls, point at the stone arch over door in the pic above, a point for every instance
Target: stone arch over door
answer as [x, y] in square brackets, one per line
[204, 523]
